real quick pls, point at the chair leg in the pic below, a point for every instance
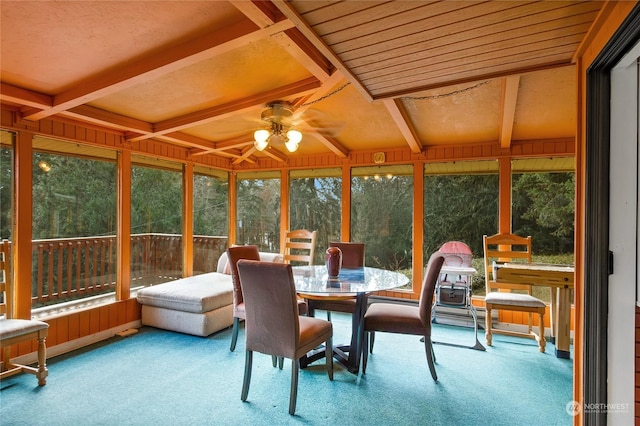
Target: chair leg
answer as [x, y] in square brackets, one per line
[428, 348]
[281, 362]
[365, 352]
[329, 356]
[293, 395]
[488, 325]
[541, 342]
[329, 316]
[274, 360]
[42, 362]
[372, 335]
[247, 375]
[234, 333]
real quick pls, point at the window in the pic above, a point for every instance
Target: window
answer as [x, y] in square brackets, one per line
[210, 218]
[156, 221]
[74, 221]
[543, 197]
[6, 184]
[258, 210]
[461, 204]
[315, 204]
[381, 215]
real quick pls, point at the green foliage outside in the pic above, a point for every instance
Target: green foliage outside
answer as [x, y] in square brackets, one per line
[315, 205]
[258, 212]
[382, 218]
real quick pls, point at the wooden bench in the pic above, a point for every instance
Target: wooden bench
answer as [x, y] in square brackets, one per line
[14, 331]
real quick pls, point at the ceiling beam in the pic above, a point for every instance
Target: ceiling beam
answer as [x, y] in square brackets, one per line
[287, 9]
[225, 110]
[265, 14]
[159, 64]
[401, 117]
[29, 98]
[510, 86]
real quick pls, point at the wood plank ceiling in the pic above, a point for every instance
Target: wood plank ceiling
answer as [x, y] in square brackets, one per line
[361, 75]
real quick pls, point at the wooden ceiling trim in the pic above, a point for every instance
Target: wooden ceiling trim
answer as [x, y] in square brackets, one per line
[275, 154]
[364, 21]
[101, 117]
[305, 52]
[225, 110]
[265, 14]
[331, 143]
[18, 95]
[425, 53]
[388, 51]
[506, 48]
[315, 11]
[470, 19]
[159, 64]
[518, 63]
[287, 9]
[246, 155]
[469, 77]
[261, 13]
[400, 116]
[510, 87]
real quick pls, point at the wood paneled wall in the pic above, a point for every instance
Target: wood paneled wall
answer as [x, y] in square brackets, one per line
[83, 323]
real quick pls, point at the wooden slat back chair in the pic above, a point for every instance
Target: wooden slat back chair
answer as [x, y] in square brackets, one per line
[504, 248]
[299, 247]
[14, 331]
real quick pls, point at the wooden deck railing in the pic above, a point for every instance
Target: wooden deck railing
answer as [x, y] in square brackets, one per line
[72, 268]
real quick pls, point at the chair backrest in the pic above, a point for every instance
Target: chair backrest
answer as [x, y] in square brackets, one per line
[352, 253]
[271, 308]
[4, 279]
[234, 254]
[299, 246]
[428, 287]
[505, 248]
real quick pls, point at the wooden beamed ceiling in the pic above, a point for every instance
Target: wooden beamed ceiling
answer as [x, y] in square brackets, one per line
[360, 76]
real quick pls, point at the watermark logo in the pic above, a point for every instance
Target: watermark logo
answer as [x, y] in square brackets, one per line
[574, 408]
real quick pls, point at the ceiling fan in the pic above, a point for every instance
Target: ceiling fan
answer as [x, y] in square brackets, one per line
[279, 119]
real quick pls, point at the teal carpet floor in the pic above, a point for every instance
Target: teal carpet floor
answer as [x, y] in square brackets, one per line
[158, 377]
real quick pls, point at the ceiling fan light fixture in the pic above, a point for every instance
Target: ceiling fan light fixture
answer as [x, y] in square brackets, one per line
[291, 146]
[261, 137]
[294, 136]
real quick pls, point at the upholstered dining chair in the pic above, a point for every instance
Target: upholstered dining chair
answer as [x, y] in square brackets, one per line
[299, 247]
[352, 257]
[406, 319]
[273, 325]
[505, 248]
[235, 253]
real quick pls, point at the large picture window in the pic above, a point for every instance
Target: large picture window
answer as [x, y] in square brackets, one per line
[74, 221]
[156, 221]
[461, 204]
[210, 218]
[315, 205]
[258, 210]
[382, 214]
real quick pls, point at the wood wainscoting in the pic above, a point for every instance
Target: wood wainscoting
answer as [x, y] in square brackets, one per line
[80, 328]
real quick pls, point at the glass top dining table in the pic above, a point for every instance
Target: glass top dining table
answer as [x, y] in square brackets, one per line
[313, 282]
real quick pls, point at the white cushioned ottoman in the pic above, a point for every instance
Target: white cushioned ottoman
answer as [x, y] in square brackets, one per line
[198, 305]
